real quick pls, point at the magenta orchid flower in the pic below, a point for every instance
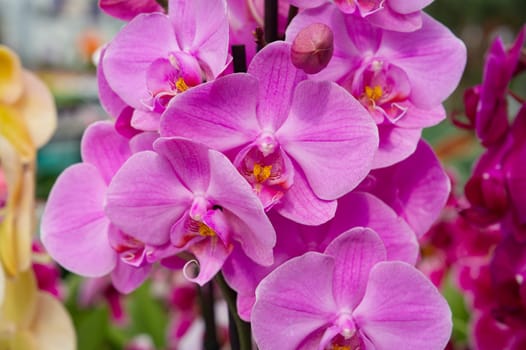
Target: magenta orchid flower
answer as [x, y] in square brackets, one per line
[300, 144]
[156, 56]
[192, 198]
[396, 15]
[75, 230]
[491, 120]
[349, 297]
[127, 9]
[401, 78]
[354, 210]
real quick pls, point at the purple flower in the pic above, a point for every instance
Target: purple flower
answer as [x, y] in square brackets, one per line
[192, 198]
[300, 144]
[156, 56]
[401, 78]
[75, 229]
[492, 110]
[354, 210]
[397, 15]
[349, 297]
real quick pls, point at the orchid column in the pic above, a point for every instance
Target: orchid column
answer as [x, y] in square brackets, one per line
[305, 184]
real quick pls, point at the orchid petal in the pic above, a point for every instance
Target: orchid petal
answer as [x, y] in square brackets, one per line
[277, 78]
[355, 252]
[400, 302]
[201, 27]
[127, 278]
[440, 58]
[396, 144]
[211, 254]
[145, 198]
[11, 83]
[301, 205]
[366, 210]
[289, 296]
[188, 159]
[74, 227]
[127, 10]
[127, 58]
[325, 121]
[52, 326]
[221, 114]
[37, 106]
[230, 190]
[104, 148]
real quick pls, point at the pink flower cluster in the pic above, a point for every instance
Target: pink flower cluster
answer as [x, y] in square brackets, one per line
[485, 246]
[308, 191]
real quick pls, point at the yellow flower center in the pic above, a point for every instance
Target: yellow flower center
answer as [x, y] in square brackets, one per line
[261, 173]
[374, 93]
[181, 85]
[206, 231]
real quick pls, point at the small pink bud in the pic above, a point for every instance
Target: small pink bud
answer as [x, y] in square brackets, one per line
[312, 48]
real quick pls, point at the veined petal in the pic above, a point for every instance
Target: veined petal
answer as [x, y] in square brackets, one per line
[405, 6]
[74, 228]
[188, 159]
[400, 302]
[110, 101]
[145, 198]
[289, 296]
[301, 205]
[211, 254]
[221, 114]
[103, 147]
[388, 19]
[127, 10]
[127, 278]
[355, 252]
[201, 27]
[277, 78]
[252, 227]
[127, 58]
[440, 58]
[396, 144]
[331, 136]
[364, 209]
[416, 188]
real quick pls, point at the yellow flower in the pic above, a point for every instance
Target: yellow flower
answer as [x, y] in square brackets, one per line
[30, 319]
[28, 118]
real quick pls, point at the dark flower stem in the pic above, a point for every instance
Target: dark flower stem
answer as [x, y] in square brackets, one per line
[271, 20]
[239, 58]
[206, 298]
[243, 328]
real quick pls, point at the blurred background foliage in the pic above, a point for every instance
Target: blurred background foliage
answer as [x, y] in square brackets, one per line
[58, 39]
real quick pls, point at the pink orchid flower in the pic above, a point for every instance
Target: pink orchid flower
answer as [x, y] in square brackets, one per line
[300, 144]
[349, 297]
[157, 56]
[396, 15]
[75, 230]
[401, 78]
[192, 198]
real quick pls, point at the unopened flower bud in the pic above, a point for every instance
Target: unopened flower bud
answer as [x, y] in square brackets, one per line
[312, 48]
